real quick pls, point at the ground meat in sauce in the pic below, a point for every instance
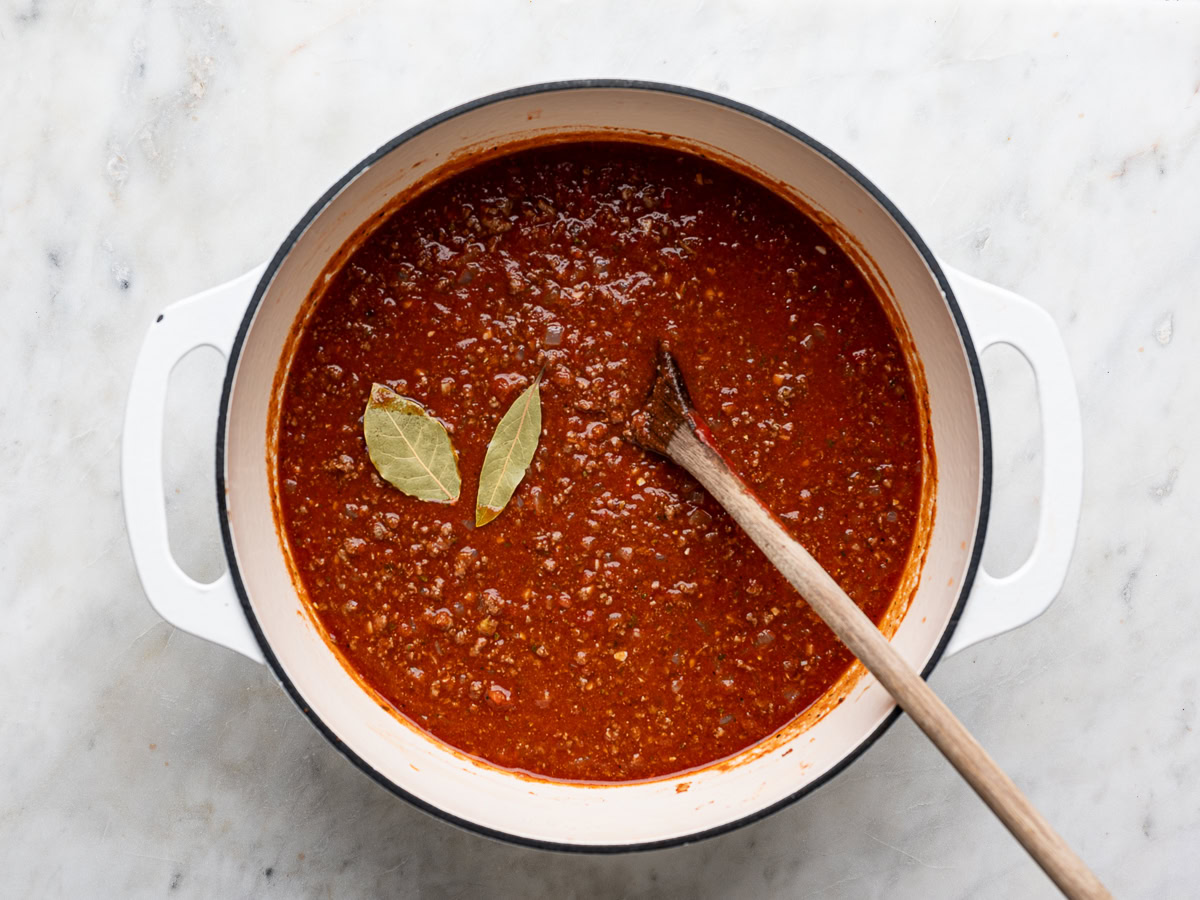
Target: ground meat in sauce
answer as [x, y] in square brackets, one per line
[612, 623]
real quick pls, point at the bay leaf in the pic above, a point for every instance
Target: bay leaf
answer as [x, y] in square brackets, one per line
[409, 448]
[509, 453]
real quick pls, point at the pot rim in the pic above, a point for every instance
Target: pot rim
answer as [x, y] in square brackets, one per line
[553, 87]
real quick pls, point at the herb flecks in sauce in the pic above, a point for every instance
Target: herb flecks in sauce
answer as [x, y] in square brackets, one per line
[504, 640]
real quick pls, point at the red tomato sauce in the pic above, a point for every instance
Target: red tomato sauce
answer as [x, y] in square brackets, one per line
[612, 623]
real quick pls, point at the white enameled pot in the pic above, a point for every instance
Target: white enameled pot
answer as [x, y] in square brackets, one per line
[255, 609]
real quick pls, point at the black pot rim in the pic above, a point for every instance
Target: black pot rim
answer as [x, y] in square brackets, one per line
[553, 87]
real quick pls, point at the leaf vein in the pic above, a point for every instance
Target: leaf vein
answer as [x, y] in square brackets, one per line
[415, 455]
[516, 442]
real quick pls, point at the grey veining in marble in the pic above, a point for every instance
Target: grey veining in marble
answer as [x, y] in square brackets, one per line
[148, 151]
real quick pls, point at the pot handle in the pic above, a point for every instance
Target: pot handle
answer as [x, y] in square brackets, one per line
[211, 611]
[997, 605]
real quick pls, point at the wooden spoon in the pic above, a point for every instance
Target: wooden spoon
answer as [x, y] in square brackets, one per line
[668, 424]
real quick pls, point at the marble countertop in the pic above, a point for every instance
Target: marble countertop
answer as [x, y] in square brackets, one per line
[149, 151]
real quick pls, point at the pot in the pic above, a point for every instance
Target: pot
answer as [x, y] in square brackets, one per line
[256, 610]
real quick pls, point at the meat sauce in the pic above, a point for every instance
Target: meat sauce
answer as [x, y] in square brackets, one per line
[613, 623]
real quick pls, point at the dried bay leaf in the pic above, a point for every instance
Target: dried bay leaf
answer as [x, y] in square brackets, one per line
[509, 453]
[409, 448]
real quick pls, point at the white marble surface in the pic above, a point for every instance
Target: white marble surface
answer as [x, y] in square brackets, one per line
[150, 150]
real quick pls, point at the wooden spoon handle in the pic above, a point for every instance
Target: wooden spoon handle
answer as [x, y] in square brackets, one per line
[856, 631]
